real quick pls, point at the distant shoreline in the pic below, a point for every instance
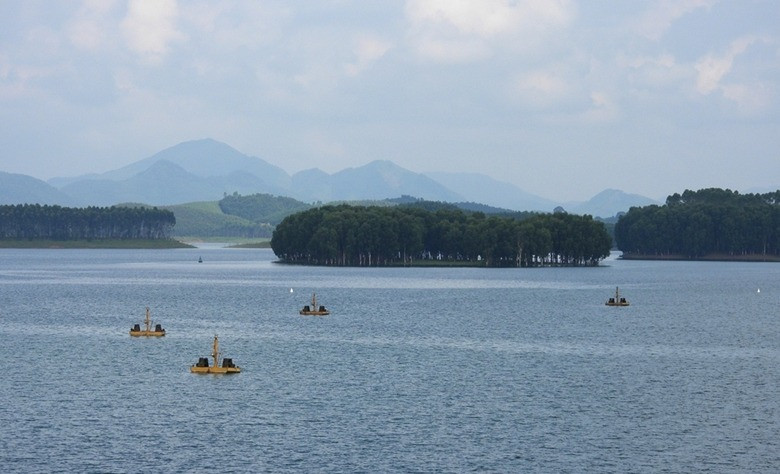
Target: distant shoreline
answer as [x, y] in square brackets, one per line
[705, 258]
[433, 264]
[94, 244]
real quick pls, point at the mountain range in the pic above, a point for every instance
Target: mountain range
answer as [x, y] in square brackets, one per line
[206, 170]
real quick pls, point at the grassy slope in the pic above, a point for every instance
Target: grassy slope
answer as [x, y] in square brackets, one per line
[206, 219]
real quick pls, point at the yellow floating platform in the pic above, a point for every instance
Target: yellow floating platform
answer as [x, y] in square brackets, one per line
[617, 300]
[314, 310]
[203, 367]
[158, 331]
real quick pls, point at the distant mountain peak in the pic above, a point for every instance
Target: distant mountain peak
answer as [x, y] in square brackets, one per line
[609, 202]
[383, 163]
[165, 168]
[201, 147]
[477, 187]
[205, 168]
[22, 189]
[612, 192]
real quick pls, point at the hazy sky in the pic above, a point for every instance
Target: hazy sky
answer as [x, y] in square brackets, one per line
[561, 98]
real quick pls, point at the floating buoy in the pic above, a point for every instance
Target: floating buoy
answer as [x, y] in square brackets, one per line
[759, 290]
[291, 290]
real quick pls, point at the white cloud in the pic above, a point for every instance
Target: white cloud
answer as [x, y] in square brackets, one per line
[451, 50]
[91, 26]
[485, 18]
[664, 60]
[751, 95]
[750, 99]
[464, 30]
[86, 34]
[367, 50]
[660, 17]
[150, 27]
[231, 26]
[488, 18]
[711, 69]
[541, 88]
[653, 73]
[603, 108]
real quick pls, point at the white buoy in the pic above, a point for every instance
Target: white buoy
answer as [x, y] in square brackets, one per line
[291, 290]
[759, 290]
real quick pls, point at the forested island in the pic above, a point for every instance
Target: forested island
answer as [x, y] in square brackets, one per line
[713, 224]
[44, 223]
[347, 235]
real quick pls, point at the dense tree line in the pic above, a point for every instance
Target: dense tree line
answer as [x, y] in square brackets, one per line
[34, 221]
[370, 236]
[705, 222]
[469, 207]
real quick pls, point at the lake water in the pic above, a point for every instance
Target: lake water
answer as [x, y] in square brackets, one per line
[415, 370]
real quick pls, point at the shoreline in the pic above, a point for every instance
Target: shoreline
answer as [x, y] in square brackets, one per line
[434, 264]
[94, 244]
[705, 258]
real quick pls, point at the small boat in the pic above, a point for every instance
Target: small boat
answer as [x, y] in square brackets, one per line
[200, 259]
[148, 331]
[314, 310]
[617, 300]
[227, 366]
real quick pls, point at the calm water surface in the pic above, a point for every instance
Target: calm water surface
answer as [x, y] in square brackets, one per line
[415, 370]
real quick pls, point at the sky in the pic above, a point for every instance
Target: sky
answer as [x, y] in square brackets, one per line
[561, 98]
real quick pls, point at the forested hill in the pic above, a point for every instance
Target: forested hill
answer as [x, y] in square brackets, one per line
[33, 221]
[709, 223]
[409, 235]
[261, 207]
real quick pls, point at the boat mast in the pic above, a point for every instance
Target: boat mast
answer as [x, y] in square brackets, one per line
[314, 301]
[148, 321]
[215, 351]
